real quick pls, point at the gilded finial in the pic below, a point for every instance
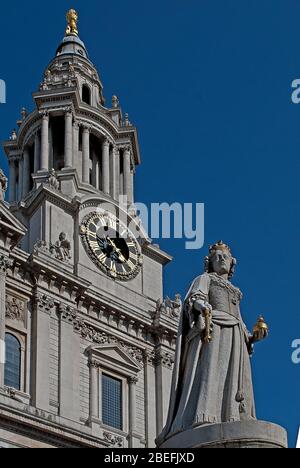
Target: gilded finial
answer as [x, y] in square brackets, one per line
[72, 19]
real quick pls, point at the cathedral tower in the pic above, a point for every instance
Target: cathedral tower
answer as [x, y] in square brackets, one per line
[89, 341]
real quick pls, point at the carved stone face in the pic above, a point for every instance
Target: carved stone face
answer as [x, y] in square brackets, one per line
[221, 262]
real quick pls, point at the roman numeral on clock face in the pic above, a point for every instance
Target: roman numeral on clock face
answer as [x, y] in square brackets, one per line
[94, 245]
[102, 257]
[103, 221]
[133, 258]
[92, 234]
[131, 265]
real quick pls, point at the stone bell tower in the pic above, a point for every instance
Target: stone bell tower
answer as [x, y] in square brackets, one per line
[90, 148]
[89, 340]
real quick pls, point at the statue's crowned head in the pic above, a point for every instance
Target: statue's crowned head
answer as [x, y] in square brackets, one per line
[220, 260]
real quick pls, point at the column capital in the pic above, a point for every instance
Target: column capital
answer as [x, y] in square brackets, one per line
[68, 111]
[106, 142]
[5, 263]
[76, 125]
[67, 313]
[128, 149]
[164, 358]
[133, 380]
[43, 302]
[93, 364]
[45, 114]
[86, 128]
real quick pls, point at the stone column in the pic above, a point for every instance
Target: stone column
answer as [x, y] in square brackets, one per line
[68, 138]
[133, 443]
[86, 155]
[94, 400]
[37, 152]
[77, 162]
[20, 195]
[4, 265]
[116, 173]
[45, 143]
[105, 167]
[69, 365]
[127, 175]
[26, 172]
[12, 180]
[41, 351]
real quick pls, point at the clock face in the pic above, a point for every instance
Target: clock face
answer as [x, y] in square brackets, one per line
[111, 246]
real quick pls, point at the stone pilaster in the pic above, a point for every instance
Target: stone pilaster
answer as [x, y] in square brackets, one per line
[26, 172]
[45, 143]
[12, 180]
[105, 167]
[69, 365]
[134, 439]
[43, 306]
[116, 173]
[37, 152]
[163, 372]
[5, 263]
[95, 393]
[20, 179]
[86, 155]
[96, 171]
[150, 398]
[127, 175]
[77, 158]
[68, 138]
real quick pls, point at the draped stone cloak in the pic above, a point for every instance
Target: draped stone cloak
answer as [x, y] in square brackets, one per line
[212, 382]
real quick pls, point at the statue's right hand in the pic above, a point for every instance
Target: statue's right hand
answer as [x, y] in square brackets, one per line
[202, 306]
[200, 324]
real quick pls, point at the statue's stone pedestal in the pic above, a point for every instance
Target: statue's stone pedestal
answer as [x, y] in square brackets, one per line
[241, 434]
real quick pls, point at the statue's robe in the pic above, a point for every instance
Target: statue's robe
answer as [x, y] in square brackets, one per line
[212, 382]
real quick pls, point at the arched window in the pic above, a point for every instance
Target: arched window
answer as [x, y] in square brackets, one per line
[12, 374]
[86, 94]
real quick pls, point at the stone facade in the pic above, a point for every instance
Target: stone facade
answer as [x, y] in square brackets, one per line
[70, 156]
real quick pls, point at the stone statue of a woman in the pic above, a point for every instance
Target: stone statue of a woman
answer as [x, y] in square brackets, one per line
[212, 380]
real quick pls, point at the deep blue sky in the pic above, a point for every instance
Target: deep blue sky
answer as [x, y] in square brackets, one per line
[207, 82]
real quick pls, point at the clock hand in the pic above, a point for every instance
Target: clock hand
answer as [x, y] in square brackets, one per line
[117, 250]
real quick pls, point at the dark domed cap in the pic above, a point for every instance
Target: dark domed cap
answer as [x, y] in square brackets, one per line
[71, 44]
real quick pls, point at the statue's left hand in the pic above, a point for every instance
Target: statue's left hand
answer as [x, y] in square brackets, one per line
[259, 335]
[260, 331]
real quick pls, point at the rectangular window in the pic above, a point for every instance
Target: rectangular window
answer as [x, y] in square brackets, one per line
[112, 402]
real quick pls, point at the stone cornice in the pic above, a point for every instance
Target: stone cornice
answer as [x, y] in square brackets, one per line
[45, 427]
[155, 253]
[51, 195]
[101, 309]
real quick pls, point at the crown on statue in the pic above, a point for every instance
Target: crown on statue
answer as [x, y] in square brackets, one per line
[219, 246]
